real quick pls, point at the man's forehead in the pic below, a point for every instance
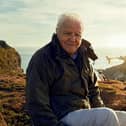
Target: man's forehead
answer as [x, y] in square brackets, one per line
[69, 21]
[72, 25]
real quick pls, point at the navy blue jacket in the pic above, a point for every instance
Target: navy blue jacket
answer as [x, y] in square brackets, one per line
[57, 84]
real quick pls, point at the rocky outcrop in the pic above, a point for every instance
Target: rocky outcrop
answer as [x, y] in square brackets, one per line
[116, 72]
[10, 60]
[113, 93]
[3, 44]
[12, 98]
[2, 121]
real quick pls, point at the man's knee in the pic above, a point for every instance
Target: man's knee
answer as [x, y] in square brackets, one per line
[107, 117]
[122, 117]
[109, 112]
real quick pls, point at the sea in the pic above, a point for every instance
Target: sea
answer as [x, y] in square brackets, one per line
[101, 63]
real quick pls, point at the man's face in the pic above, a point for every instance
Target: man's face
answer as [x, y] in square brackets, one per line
[69, 35]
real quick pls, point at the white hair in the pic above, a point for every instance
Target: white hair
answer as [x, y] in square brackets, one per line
[71, 16]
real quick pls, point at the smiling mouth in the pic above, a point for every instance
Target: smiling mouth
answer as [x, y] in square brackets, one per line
[70, 44]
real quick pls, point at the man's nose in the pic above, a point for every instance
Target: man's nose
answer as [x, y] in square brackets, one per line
[73, 37]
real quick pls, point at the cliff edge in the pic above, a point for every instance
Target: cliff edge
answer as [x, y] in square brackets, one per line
[117, 72]
[10, 60]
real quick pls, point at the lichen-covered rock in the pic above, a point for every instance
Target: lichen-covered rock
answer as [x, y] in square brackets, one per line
[12, 98]
[113, 93]
[10, 60]
[2, 121]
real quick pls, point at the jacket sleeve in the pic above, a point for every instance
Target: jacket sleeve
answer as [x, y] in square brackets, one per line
[37, 95]
[94, 91]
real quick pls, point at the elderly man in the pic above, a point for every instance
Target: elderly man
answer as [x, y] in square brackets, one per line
[61, 84]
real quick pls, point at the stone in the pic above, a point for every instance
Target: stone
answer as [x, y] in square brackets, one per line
[10, 59]
[117, 72]
[3, 44]
[2, 121]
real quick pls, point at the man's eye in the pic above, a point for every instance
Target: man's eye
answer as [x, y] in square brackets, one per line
[67, 33]
[70, 34]
[78, 35]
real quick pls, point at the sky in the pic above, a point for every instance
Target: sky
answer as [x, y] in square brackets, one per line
[32, 22]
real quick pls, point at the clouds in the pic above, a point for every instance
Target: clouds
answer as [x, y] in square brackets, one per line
[25, 22]
[10, 6]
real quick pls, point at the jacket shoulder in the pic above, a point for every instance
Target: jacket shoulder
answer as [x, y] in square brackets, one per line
[43, 53]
